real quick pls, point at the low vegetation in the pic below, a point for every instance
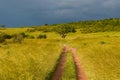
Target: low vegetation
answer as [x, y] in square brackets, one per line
[31, 60]
[70, 72]
[42, 36]
[99, 56]
[64, 29]
[36, 56]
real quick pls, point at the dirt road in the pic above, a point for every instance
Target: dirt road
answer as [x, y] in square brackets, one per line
[79, 70]
[57, 75]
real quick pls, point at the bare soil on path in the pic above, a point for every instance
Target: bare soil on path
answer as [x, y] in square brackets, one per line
[79, 70]
[57, 75]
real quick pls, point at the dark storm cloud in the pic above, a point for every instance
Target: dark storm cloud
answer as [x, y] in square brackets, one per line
[36, 12]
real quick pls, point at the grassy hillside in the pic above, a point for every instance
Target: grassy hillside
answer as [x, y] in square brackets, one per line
[31, 60]
[100, 56]
[90, 26]
[35, 59]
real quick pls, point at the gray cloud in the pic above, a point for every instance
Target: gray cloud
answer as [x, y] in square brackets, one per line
[36, 12]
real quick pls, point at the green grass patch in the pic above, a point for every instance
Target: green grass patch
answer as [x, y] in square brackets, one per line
[70, 73]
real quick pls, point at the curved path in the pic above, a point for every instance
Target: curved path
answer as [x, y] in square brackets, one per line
[57, 75]
[79, 70]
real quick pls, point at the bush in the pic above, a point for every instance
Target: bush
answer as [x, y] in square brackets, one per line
[64, 29]
[4, 36]
[7, 36]
[23, 34]
[102, 42]
[18, 38]
[27, 36]
[42, 36]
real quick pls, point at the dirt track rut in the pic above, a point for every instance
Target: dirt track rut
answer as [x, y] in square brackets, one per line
[57, 75]
[79, 70]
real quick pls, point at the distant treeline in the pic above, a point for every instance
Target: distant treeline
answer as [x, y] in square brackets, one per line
[112, 24]
[90, 26]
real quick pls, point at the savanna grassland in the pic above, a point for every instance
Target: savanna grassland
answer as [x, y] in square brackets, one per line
[97, 44]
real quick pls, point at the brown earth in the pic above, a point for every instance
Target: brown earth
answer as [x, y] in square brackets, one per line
[57, 75]
[79, 70]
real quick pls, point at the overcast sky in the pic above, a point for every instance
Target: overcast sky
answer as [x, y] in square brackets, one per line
[15, 13]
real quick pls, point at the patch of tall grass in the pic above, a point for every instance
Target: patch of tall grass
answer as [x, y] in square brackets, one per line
[31, 60]
[70, 72]
[100, 57]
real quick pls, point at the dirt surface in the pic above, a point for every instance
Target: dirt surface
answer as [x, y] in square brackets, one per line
[57, 75]
[79, 70]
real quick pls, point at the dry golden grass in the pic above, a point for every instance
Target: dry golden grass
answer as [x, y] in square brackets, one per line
[34, 59]
[100, 56]
[31, 60]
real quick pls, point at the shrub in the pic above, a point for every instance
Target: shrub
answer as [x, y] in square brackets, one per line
[42, 36]
[27, 36]
[23, 34]
[18, 38]
[7, 36]
[102, 42]
[64, 29]
[2, 38]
